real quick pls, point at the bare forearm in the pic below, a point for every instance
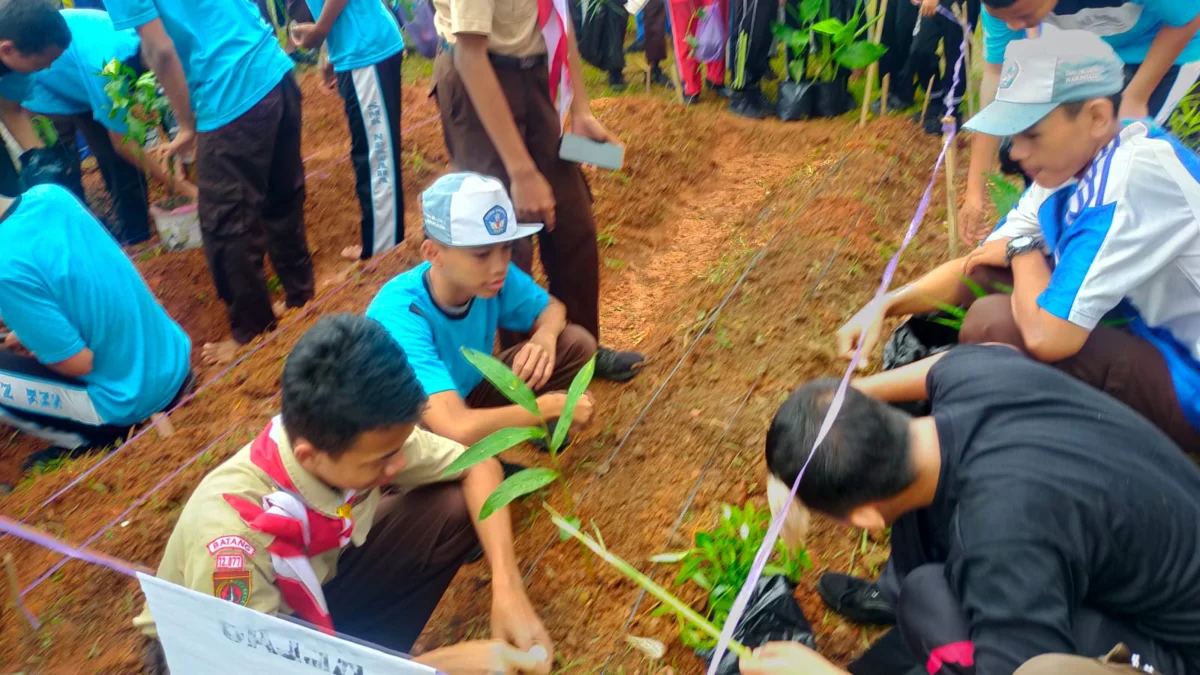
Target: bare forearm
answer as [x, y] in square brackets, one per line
[552, 321]
[141, 159]
[1164, 51]
[169, 71]
[942, 286]
[984, 148]
[495, 533]
[1031, 278]
[329, 14]
[483, 88]
[906, 383]
[475, 424]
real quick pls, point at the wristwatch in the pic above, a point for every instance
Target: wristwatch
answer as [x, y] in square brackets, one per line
[1022, 245]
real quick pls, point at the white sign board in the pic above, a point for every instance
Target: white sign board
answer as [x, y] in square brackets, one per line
[201, 635]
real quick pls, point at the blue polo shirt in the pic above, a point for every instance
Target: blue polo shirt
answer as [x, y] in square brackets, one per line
[433, 339]
[65, 285]
[365, 33]
[72, 85]
[230, 56]
[1129, 27]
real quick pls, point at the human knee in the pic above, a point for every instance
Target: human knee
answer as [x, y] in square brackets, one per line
[576, 342]
[1061, 664]
[989, 319]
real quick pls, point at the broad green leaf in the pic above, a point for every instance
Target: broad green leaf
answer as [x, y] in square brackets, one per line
[809, 9]
[859, 55]
[953, 310]
[828, 26]
[974, 287]
[669, 558]
[492, 445]
[517, 485]
[576, 391]
[1004, 194]
[504, 380]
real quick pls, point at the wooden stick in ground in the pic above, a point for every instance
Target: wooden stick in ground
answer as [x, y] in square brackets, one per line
[872, 73]
[883, 95]
[928, 98]
[951, 192]
[10, 570]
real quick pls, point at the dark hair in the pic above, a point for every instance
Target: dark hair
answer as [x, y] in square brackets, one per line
[863, 459]
[999, 3]
[1073, 108]
[344, 377]
[33, 25]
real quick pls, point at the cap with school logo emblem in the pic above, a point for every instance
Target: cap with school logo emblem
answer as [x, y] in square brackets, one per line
[471, 209]
[1060, 66]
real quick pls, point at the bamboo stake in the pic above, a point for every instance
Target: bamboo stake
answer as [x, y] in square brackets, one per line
[872, 71]
[11, 571]
[928, 98]
[877, 39]
[951, 192]
[887, 85]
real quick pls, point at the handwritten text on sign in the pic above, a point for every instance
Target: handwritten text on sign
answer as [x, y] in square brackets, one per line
[202, 635]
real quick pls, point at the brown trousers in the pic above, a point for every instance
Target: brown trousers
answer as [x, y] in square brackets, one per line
[251, 182]
[386, 590]
[569, 254]
[654, 19]
[575, 347]
[1112, 360]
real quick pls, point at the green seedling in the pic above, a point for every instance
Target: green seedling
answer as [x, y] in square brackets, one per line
[135, 99]
[1185, 121]
[44, 128]
[514, 389]
[1004, 194]
[720, 562]
[823, 42]
[686, 615]
[955, 314]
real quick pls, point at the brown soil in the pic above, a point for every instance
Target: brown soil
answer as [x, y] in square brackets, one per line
[700, 196]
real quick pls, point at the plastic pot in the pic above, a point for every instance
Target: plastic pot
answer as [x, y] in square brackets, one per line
[178, 228]
[832, 99]
[796, 100]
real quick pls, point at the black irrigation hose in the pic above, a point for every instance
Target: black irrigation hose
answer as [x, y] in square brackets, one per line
[708, 324]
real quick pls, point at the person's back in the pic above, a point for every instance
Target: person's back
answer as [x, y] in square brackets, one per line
[1054, 485]
[230, 56]
[65, 286]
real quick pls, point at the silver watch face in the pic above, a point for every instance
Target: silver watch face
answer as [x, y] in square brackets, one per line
[1023, 240]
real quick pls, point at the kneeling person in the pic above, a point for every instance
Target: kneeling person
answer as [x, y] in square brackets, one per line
[467, 289]
[382, 560]
[105, 354]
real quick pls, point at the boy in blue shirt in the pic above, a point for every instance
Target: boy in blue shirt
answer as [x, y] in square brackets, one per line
[365, 52]
[105, 354]
[220, 55]
[71, 93]
[466, 290]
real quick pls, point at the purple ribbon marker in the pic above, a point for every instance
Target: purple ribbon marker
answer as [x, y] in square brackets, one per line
[835, 406]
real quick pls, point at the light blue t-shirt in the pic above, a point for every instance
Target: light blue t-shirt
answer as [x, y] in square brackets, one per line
[1129, 27]
[72, 85]
[65, 285]
[433, 339]
[365, 33]
[230, 56]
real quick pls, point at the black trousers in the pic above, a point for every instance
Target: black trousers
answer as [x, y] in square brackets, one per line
[251, 182]
[897, 36]
[750, 25]
[923, 64]
[372, 98]
[125, 182]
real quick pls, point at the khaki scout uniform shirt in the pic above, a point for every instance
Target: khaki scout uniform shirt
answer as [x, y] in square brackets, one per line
[213, 551]
[511, 25]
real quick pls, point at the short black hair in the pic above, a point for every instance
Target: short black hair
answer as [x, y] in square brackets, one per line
[344, 377]
[864, 458]
[1073, 108]
[33, 25]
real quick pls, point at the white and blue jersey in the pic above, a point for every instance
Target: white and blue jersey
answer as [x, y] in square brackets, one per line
[1128, 25]
[1127, 238]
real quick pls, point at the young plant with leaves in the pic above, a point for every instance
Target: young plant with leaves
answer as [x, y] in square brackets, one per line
[44, 128]
[514, 389]
[1185, 121]
[1005, 195]
[954, 314]
[824, 43]
[720, 562]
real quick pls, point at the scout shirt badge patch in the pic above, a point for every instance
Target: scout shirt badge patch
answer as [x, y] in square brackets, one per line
[231, 576]
[232, 586]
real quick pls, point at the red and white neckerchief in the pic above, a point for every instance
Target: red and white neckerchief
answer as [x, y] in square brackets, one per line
[553, 18]
[300, 531]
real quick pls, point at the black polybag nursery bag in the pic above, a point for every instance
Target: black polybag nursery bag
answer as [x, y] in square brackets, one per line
[773, 615]
[600, 26]
[917, 338]
[54, 164]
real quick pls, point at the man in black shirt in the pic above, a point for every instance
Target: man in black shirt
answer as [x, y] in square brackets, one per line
[1030, 514]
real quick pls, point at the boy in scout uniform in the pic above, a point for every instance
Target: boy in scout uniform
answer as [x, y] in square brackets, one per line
[374, 564]
[505, 76]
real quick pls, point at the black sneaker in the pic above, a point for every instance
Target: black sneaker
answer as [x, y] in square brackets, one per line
[894, 105]
[543, 444]
[719, 89]
[856, 599]
[638, 45]
[691, 99]
[749, 104]
[618, 366]
[658, 77]
[616, 80]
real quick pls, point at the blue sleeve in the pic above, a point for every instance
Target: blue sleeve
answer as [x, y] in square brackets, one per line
[1174, 12]
[15, 87]
[29, 310]
[522, 301]
[996, 36]
[415, 336]
[131, 13]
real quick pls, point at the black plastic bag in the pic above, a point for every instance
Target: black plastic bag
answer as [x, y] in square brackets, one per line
[600, 27]
[918, 338]
[832, 99]
[773, 615]
[795, 101]
[55, 164]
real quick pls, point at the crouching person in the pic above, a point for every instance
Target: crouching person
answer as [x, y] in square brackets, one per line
[466, 290]
[1030, 514]
[105, 354]
[388, 531]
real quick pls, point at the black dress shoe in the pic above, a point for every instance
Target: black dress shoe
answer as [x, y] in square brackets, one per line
[719, 89]
[638, 45]
[750, 104]
[616, 80]
[617, 366]
[856, 599]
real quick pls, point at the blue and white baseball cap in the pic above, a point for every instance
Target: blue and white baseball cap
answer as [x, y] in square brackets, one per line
[1040, 74]
[471, 209]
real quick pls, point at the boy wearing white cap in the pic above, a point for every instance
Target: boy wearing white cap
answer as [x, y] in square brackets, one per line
[1102, 253]
[465, 291]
